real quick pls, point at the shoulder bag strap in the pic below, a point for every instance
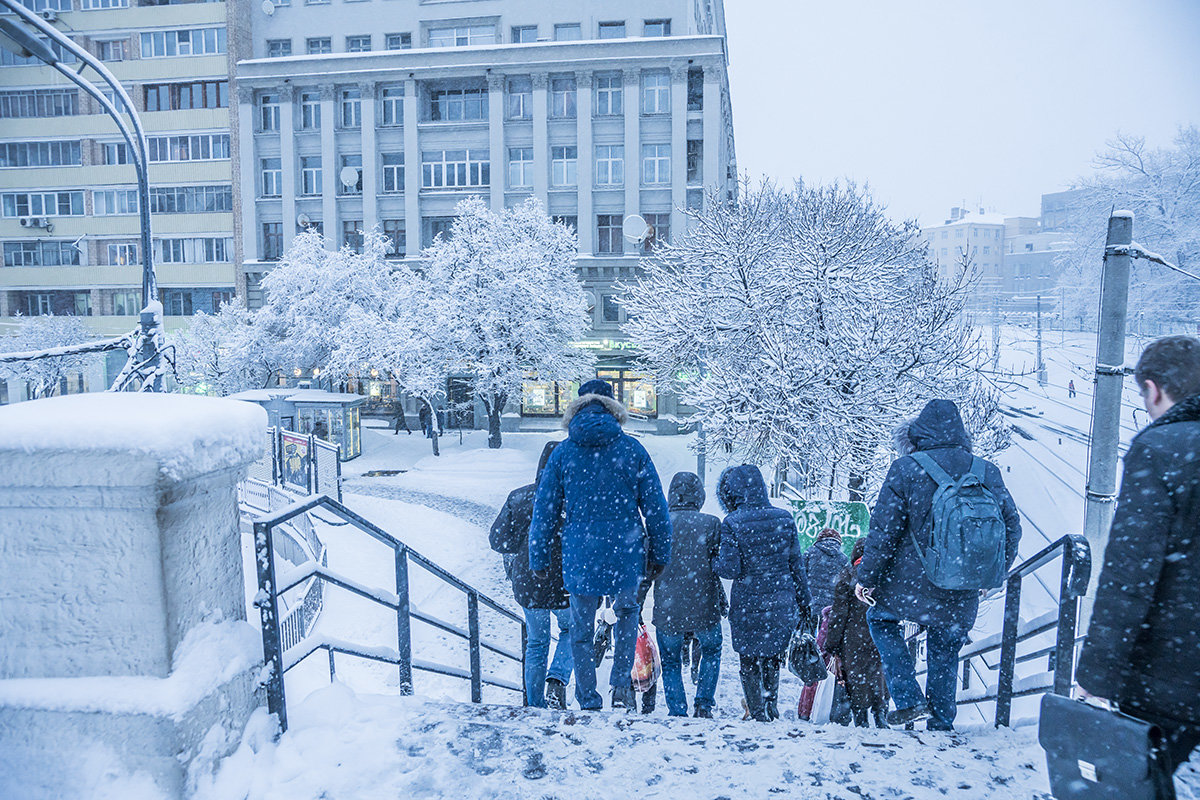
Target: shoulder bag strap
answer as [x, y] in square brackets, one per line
[933, 469]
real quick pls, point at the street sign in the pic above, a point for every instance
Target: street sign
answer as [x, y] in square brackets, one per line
[851, 519]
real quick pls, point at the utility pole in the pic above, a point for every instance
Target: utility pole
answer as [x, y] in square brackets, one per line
[1041, 365]
[995, 333]
[1110, 373]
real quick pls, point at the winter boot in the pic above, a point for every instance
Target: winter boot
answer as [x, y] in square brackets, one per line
[752, 687]
[903, 716]
[703, 712]
[556, 694]
[650, 699]
[624, 698]
[770, 673]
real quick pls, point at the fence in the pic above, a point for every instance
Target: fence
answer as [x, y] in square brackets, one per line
[301, 461]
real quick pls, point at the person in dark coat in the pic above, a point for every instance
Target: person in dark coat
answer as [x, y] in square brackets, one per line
[423, 417]
[604, 482]
[538, 596]
[848, 640]
[760, 553]
[823, 565]
[1143, 643]
[689, 597]
[891, 573]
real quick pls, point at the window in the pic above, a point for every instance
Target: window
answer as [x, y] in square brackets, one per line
[180, 96]
[310, 110]
[123, 254]
[350, 162]
[268, 112]
[279, 48]
[660, 227]
[393, 105]
[40, 254]
[522, 34]
[81, 304]
[610, 164]
[657, 27]
[97, 5]
[457, 105]
[115, 153]
[695, 161]
[8, 58]
[656, 163]
[455, 168]
[571, 221]
[520, 167]
[609, 239]
[43, 204]
[945, 234]
[695, 89]
[221, 298]
[176, 302]
[435, 227]
[272, 241]
[272, 177]
[612, 312]
[944, 251]
[609, 92]
[37, 6]
[127, 303]
[351, 108]
[190, 199]
[393, 232]
[393, 172]
[358, 44]
[656, 93]
[462, 36]
[612, 30]
[310, 175]
[563, 166]
[196, 147]
[987, 251]
[196, 250]
[195, 42]
[24, 103]
[40, 154]
[113, 50]
[520, 98]
[398, 41]
[562, 97]
[1029, 248]
[37, 303]
[113, 202]
[568, 32]
[352, 234]
[319, 45]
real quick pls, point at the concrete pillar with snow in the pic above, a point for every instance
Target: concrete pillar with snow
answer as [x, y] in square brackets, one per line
[126, 659]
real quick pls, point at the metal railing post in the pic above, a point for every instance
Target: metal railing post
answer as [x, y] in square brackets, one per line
[332, 667]
[473, 631]
[1008, 651]
[268, 610]
[1076, 570]
[966, 674]
[403, 623]
[524, 646]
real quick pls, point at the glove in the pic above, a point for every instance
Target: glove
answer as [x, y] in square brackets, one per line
[541, 576]
[654, 570]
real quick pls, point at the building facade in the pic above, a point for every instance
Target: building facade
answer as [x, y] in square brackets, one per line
[365, 114]
[69, 226]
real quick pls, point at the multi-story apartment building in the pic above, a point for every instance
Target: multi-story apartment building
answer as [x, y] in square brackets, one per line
[361, 114]
[69, 226]
[974, 238]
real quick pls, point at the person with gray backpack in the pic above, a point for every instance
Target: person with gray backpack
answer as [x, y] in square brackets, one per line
[943, 530]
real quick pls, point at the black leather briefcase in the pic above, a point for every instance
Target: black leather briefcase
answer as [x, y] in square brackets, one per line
[1096, 754]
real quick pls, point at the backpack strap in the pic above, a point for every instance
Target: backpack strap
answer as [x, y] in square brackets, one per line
[978, 468]
[933, 469]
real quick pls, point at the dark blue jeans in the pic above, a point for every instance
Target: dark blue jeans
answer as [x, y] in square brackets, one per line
[537, 651]
[670, 649]
[583, 628]
[941, 657]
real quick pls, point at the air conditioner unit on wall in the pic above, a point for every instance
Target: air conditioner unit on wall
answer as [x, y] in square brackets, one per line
[34, 222]
[49, 14]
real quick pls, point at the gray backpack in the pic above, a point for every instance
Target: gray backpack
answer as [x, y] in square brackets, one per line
[967, 538]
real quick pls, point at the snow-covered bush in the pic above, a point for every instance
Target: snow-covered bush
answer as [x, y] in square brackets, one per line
[223, 352]
[44, 375]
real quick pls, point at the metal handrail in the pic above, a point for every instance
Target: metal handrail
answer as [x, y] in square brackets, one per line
[269, 590]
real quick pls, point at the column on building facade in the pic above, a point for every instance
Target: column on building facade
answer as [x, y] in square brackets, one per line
[287, 160]
[496, 149]
[370, 158]
[633, 144]
[679, 79]
[329, 166]
[586, 171]
[541, 138]
[247, 184]
[412, 172]
[713, 130]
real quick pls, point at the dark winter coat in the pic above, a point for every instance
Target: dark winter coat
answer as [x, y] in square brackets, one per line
[823, 564]
[510, 536]
[605, 483]
[849, 638]
[1143, 643]
[688, 596]
[760, 553]
[890, 564]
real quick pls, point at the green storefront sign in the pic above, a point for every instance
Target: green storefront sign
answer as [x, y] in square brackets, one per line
[850, 519]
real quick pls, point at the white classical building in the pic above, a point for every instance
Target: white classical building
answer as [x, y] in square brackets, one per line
[355, 114]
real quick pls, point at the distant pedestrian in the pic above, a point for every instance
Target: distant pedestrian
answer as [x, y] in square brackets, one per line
[1070, 388]
[824, 561]
[689, 598]
[1143, 643]
[848, 641]
[400, 421]
[424, 417]
[760, 553]
[605, 484]
[935, 449]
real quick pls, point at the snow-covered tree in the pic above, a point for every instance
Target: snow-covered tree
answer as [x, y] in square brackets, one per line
[44, 376]
[513, 302]
[804, 326]
[223, 352]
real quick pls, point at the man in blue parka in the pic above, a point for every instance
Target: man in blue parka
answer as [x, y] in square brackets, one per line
[603, 483]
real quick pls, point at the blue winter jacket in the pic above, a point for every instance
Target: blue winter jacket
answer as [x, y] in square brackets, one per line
[760, 553]
[890, 564]
[605, 483]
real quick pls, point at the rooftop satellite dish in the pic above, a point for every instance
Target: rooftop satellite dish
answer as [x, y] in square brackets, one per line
[303, 220]
[636, 229]
[268, 7]
[349, 176]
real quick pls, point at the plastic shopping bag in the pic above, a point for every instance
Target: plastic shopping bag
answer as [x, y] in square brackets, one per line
[823, 702]
[647, 666]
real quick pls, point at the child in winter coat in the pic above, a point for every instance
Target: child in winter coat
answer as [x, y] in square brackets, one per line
[855, 658]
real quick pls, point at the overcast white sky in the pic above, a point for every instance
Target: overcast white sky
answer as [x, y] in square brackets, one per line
[937, 101]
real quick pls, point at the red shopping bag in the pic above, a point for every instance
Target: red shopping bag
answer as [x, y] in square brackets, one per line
[647, 666]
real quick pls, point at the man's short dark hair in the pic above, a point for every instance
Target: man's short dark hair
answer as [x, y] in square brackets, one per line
[1173, 363]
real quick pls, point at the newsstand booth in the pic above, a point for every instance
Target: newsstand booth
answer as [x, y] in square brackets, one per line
[333, 416]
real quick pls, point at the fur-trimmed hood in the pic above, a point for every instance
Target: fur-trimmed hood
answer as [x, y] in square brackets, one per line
[610, 405]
